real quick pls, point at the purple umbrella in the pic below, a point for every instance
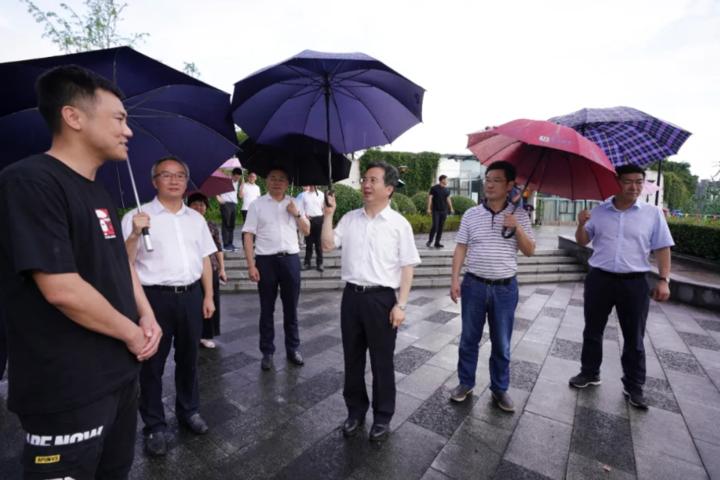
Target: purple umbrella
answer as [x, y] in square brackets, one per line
[627, 135]
[349, 100]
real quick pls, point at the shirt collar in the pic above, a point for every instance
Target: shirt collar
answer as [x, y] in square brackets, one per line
[384, 213]
[157, 207]
[611, 206]
[490, 210]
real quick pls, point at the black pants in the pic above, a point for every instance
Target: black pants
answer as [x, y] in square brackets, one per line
[365, 324]
[244, 215]
[312, 241]
[228, 214]
[211, 326]
[281, 272]
[180, 317]
[438, 222]
[3, 344]
[631, 298]
[93, 441]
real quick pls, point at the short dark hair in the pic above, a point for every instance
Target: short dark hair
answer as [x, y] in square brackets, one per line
[171, 158]
[441, 178]
[507, 167]
[198, 197]
[66, 85]
[279, 168]
[625, 169]
[237, 171]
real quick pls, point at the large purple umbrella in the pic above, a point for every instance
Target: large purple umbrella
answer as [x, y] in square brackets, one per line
[627, 135]
[169, 112]
[349, 100]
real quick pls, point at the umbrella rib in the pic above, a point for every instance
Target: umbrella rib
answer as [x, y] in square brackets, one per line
[342, 132]
[352, 95]
[185, 117]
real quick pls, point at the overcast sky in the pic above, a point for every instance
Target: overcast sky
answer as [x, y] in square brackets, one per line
[482, 63]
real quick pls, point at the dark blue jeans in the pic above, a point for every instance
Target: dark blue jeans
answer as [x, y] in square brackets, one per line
[281, 272]
[498, 303]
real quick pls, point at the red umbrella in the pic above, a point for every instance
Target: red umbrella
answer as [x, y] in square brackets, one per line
[549, 158]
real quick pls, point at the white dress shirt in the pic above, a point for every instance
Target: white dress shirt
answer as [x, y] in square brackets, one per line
[274, 228]
[231, 197]
[374, 250]
[180, 243]
[251, 192]
[312, 203]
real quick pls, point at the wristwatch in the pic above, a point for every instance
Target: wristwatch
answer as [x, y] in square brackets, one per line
[665, 279]
[299, 215]
[401, 306]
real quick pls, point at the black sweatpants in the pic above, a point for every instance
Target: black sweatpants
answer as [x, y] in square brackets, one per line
[312, 241]
[228, 214]
[630, 295]
[438, 222]
[365, 324]
[93, 441]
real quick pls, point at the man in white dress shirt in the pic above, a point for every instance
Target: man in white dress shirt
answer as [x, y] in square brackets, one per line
[378, 258]
[228, 210]
[274, 220]
[177, 279]
[312, 207]
[249, 192]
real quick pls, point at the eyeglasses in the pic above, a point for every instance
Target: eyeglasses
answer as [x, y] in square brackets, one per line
[166, 176]
[372, 180]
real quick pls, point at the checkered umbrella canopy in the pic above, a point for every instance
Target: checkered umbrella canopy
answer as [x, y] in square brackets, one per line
[626, 135]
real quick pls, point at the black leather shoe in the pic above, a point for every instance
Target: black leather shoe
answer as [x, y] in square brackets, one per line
[306, 266]
[320, 268]
[428, 244]
[155, 444]
[636, 399]
[439, 245]
[352, 426]
[267, 362]
[296, 358]
[379, 432]
[195, 424]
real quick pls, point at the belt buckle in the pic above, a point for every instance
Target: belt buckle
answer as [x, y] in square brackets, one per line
[359, 288]
[180, 289]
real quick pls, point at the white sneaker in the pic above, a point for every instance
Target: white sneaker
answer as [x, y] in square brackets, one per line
[207, 343]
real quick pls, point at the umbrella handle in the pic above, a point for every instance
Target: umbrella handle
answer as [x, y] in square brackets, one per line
[146, 239]
[509, 232]
[330, 191]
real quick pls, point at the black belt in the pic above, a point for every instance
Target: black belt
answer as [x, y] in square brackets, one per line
[366, 288]
[278, 254]
[621, 275]
[173, 288]
[489, 281]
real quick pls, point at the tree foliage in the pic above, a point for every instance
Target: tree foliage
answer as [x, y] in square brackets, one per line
[76, 32]
[679, 185]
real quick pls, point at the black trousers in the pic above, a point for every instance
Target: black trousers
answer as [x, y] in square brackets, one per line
[312, 241]
[283, 272]
[631, 298]
[3, 344]
[228, 214]
[365, 325]
[93, 441]
[211, 326]
[180, 317]
[438, 222]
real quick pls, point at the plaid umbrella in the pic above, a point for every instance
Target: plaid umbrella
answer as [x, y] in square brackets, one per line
[627, 135]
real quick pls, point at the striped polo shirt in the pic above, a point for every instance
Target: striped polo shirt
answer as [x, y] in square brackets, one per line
[489, 255]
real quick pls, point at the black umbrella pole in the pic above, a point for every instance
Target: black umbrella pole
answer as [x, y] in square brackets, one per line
[657, 194]
[147, 242]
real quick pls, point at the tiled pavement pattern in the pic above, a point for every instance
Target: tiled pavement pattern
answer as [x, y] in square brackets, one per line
[286, 424]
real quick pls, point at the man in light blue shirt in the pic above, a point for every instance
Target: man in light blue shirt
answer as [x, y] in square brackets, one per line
[624, 231]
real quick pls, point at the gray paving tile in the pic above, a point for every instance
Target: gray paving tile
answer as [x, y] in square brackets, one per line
[679, 361]
[410, 358]
[523, 374]
[530, 351]
[584, 468]
[432, 474]
[446, 358]
[440, 415]
[664, 433]
[512, 470]
[423, 381]
[440, 316]
[603, 437]
[434, 341]
[544, 291]
[710, 454]
[539, 444]
[703, 341]
[521, 324]
[653, 465]
[611, 333]
[567, 349]
[553, 400]
[318, 345]
[317, 388]
[712, 325]
[552, 312]
[420, 301]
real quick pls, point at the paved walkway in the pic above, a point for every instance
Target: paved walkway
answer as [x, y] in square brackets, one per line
[285, 424]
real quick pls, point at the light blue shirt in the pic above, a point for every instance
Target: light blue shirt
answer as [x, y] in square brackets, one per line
[623, 239]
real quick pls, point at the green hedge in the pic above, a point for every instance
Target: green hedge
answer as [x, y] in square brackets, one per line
[462, 204]
[403, 204]
[346, 198]
[422, 223]
[698, 239]
[420, 201]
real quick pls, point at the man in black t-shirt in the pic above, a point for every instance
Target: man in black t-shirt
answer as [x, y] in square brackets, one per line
[78, 322]
[437, 206]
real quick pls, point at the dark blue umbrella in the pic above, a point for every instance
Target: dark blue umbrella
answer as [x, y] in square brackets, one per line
[169, 112]
[349, 100]
[627, 135]
[302, 157]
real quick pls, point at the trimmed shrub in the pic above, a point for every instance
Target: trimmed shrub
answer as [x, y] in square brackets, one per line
[698, 239]
[402, 204]
[420, 201]
[461, 204]
[347, 198]
[423, 223]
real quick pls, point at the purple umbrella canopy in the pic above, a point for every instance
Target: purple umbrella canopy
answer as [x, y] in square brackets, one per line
[349, 99]
[626, 135]
[169, 112]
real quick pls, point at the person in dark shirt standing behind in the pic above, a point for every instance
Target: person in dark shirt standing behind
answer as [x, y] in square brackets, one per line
[78, 322]
[437, 206]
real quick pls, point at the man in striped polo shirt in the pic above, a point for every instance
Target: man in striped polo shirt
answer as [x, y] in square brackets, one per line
[489, 287]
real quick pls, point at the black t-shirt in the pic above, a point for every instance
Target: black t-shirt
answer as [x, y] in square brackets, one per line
[440, 195]
[57, 221]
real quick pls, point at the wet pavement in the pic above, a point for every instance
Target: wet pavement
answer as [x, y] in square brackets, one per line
[285, 423]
